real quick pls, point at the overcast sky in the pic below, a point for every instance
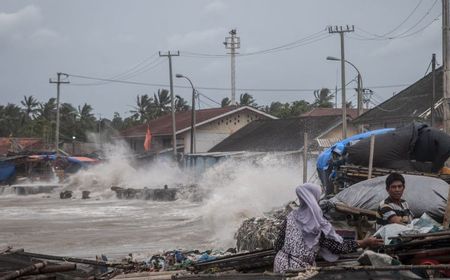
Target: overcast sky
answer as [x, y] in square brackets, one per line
[120, 39]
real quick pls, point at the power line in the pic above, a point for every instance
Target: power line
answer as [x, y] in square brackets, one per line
[274, 90]
[317, 36]
[210, 99]
[403, 34]
[130, 73]
[399, 25]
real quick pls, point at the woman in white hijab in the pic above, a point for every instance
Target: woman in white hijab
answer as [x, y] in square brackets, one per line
[309, 234]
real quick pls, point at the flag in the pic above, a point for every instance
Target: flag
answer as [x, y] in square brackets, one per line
[148, 139]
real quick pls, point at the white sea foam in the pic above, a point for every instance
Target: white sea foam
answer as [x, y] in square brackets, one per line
[238, 189]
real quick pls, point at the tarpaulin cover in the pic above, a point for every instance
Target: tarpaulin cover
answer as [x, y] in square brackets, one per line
[423, 194]
[325, 157]
[432, 145]
[392, 150]
[6, 170]
[415, 147]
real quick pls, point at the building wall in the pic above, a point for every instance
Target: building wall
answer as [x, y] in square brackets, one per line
[208, 135]
[337, 132]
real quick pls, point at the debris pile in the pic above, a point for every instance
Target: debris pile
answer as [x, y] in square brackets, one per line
[259, 233]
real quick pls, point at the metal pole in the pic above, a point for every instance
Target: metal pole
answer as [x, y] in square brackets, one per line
[58, 83]
[372, 148]
[195, 121]
[172, 99]
[174, 129]
[360, 104]
[192, 120]
[305, 157]
[433, 98]
[344, 102]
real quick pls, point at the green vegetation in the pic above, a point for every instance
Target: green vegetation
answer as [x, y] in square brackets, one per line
[33, 118]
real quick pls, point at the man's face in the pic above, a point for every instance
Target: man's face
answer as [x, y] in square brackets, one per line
[396, 189]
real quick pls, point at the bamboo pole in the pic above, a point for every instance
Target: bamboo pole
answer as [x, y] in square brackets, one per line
[23, 271]
[372, 147]
[69, 259]
[371, 268]
[447, 212]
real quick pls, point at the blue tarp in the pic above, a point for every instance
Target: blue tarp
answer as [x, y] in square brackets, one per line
[325, 156]
[6, 171]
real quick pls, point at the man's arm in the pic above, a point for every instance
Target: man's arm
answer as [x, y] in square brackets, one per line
[395, 220]
[388, 215]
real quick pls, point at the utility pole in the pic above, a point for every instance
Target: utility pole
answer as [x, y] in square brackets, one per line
[433, 88]
[335, 97]
[446, 61]
[341, 32]
[58, 83]
[232, 43]
[360, 101]
[446, 81]
[174, 128]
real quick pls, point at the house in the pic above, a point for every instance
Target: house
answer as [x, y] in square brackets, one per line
[318, 112]
[282, 135]
[17, 145]
[411, 104]
[212, 126]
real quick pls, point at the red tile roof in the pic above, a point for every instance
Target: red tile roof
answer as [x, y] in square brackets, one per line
[25, 143]
[318, 112]
[163, 125]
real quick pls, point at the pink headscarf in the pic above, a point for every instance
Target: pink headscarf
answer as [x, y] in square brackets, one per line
[310, 219]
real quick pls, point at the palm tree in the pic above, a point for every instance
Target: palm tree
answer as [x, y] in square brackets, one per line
[31, 106]
[86, 120]
[161, 101]
[143, 110]
[225, 102]
[247, 100]
[180, 104]
[323, 98]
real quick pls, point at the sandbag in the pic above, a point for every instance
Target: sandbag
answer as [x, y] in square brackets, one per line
[423, 194]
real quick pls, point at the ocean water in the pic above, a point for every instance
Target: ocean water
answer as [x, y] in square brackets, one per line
[231, 191]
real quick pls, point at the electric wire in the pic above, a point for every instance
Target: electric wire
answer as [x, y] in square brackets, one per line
[128, 76]
[403, 34]
[264, 90]
[317, 36]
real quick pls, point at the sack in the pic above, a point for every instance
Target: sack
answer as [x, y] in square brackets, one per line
[279, 241]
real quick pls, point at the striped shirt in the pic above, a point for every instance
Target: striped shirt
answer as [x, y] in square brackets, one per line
[388, 208]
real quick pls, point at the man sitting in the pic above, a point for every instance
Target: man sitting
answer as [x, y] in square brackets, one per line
[394, 210]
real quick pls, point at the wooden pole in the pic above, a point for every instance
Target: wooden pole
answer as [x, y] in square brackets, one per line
[372, 268]
[23, 271]
[372, 147]
[447, 212]
[305, 157]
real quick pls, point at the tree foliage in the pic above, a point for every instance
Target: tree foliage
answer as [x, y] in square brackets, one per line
[323, 98]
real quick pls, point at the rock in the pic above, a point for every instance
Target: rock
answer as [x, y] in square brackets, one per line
[85, 194]
[65, 194]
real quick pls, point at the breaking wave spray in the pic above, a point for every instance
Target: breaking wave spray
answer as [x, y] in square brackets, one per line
[232, 189]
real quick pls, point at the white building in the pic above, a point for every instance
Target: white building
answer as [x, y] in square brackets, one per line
[212, 126]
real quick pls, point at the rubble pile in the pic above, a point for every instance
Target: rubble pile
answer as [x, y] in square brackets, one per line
[259, 233]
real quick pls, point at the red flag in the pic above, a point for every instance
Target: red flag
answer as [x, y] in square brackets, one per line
[148, 139]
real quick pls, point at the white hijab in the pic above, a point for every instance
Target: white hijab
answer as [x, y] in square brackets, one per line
[310, 219]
